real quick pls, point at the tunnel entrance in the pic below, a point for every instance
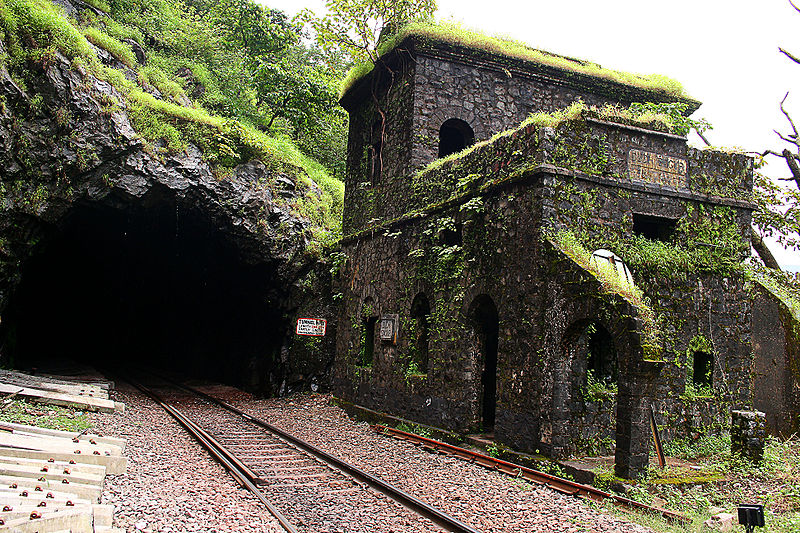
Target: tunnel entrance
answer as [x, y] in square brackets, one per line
[160, 287]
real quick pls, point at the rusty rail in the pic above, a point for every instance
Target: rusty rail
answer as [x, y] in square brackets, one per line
[562, 485]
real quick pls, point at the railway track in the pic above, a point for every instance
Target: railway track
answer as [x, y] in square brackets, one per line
[305, 488]
[558, 484]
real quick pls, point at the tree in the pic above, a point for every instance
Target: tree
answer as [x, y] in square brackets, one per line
[288, 87]
[356, 27]
[778, 213]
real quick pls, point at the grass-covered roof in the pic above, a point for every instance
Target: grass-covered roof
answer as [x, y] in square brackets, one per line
[450, 34]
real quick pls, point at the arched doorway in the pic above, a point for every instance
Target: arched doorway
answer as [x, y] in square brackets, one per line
[454, 136]
[420, 313]
[486, 329]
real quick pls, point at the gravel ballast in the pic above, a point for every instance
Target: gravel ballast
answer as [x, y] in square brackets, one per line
[173, 485]
[486, 500]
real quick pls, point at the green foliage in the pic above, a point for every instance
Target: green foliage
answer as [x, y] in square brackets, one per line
[415, 429]
[778, 213]
[716, 479]
[413, 369]
[671, 113]
[357, 27]
[186, 57]
[598, 390]
[611, 282]
[454, 34]
[781, 285]
[493, 451]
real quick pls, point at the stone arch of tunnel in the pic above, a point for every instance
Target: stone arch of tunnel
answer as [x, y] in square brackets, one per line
[158, 286]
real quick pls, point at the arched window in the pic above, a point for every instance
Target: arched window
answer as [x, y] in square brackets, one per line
[702, 369]
[419, 333]
[454, 136]
[602, 355]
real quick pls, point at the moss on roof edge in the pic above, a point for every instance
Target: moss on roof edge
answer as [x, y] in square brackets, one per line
[427, 37]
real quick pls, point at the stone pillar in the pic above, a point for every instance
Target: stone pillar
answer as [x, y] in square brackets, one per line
[748, 434]
[632, 455]
[634, 435]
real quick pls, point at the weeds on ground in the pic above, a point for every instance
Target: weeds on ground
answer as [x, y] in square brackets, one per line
[46, 416]
[415, 429]
[719, 482]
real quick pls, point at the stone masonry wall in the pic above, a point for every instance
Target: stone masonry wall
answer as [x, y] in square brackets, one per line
[488, 98]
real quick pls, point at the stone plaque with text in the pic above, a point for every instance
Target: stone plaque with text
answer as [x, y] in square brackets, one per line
[657, 168]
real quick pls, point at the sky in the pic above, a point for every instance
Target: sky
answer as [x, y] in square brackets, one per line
[725, 53]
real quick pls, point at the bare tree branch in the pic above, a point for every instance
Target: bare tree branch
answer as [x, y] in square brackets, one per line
[789, 55]
[786, 114]
[703, 137]
[785, 139]
[791, 162]
[762, 250]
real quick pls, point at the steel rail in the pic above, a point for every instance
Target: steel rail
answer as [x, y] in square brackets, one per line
[407, 500]
[244, 475]
[562, 485]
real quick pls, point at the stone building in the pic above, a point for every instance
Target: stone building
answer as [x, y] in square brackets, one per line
[470, 297]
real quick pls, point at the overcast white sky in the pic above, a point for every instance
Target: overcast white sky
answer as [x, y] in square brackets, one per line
[725, 53]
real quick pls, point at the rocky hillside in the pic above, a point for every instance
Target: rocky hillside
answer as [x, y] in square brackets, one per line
[86, 119]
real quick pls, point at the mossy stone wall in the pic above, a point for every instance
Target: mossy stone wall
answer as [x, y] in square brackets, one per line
[476, 227]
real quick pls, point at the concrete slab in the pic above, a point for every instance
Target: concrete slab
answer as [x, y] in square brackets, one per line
[26, 380]
[78, 520]
[55, 466]
[114, 464]
[52, 474]
[65, 400]
[13, 496]
[35, 430]
[53, 489]
[86, 492]
[31, 442]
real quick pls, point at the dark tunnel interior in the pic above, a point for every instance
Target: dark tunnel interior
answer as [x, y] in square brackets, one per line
[159, 288]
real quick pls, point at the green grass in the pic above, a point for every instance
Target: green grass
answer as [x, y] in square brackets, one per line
[649, 119]
[119, 50]
[46, 416]
[454, 34]
[724, 481]
[611, 282]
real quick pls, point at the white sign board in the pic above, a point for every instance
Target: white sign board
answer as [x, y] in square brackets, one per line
[389, 328]
[311, 326]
